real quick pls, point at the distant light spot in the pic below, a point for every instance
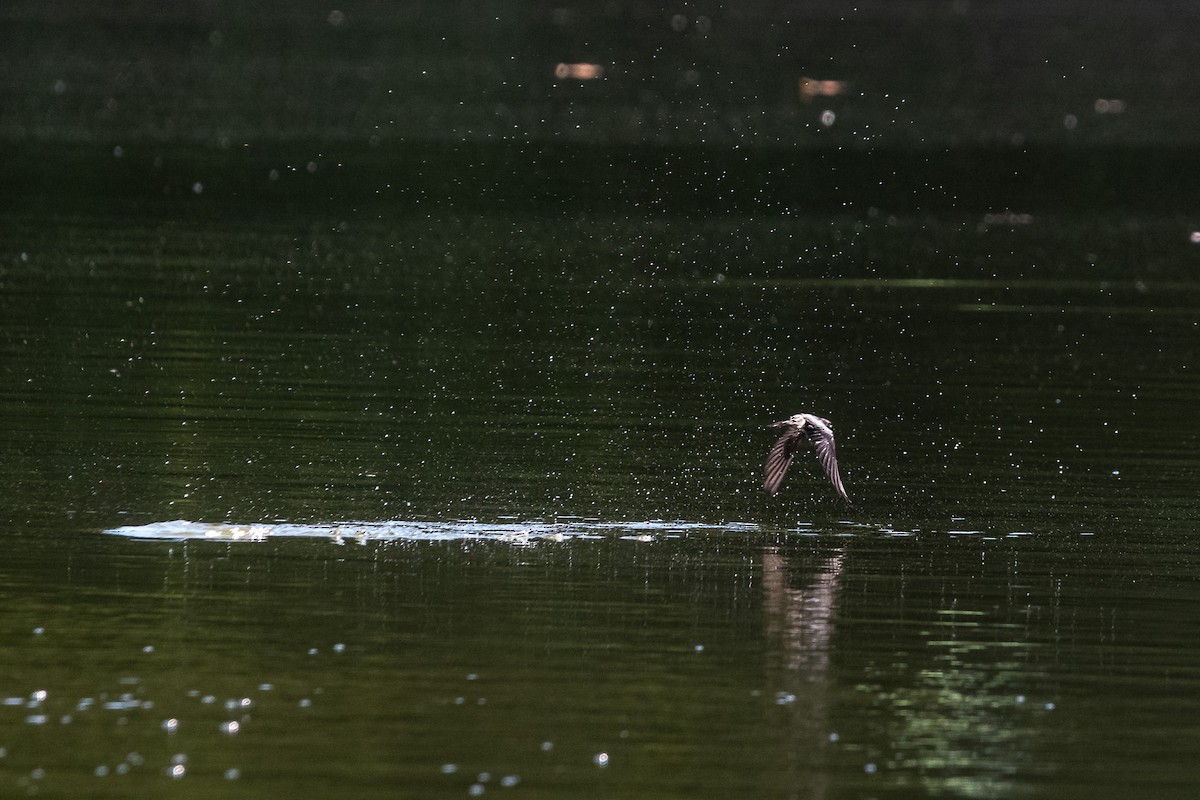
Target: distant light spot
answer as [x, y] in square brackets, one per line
[509, 781]
[197, 188]
[600, 759]
[476, 790]
[1194, 236]
[232, 774]
[339, 648]
[170, 725]
[547, 747]
[101, 771]
[870, 768]
[449, 769]
[231, 728]
[579, 72]
[148, 648]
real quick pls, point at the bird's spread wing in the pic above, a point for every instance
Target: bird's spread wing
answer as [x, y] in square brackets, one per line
[779, 459]
[822, 439]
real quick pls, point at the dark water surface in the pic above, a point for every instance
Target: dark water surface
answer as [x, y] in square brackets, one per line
[381, 418]
[429, 455]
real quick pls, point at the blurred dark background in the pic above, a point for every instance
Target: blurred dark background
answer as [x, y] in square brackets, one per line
[705, 106]
[913, 74]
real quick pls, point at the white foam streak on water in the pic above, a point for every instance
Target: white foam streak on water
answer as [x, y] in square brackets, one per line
[408, 530]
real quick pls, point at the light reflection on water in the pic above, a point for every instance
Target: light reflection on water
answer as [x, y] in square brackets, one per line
[527, 532]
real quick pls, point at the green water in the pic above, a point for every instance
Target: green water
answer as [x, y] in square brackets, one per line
[1006, 609]
[371, 432]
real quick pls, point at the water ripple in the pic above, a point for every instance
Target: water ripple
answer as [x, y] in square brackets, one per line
[527, 532]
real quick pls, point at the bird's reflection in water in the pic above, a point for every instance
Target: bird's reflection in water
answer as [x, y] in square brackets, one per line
[801, 603]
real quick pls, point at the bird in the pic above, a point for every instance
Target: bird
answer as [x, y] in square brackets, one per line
[798, 428]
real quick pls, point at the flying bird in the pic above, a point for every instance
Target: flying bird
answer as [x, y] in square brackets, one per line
[798, 428]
